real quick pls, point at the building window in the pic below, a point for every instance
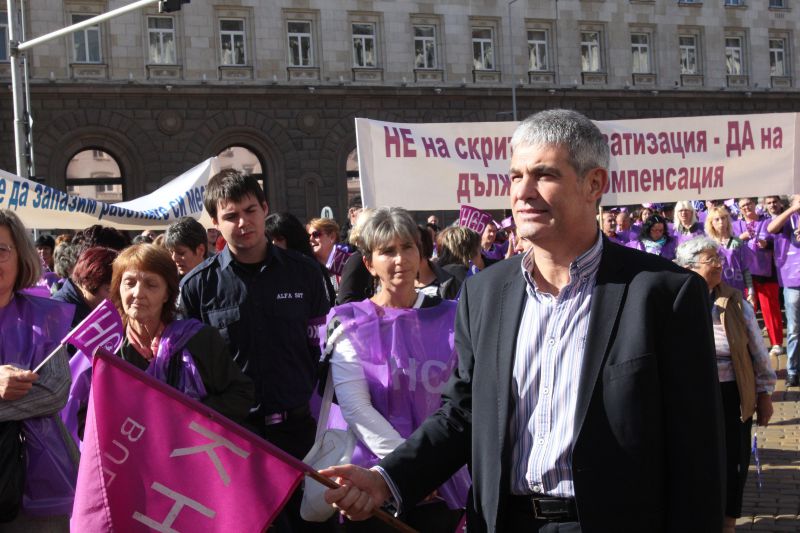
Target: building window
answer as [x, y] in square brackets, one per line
[364, 44]
[161, 39]
[640, 53]
[777, 57]
[3, 36]
[232, 42]
[300, 51]
[590, 51]
[734, 56]
[86, 42]
[734, 2]
[482, 49]
[688, 50]
[94, 173]
[777, 3]
[425, 46]
[537, 50]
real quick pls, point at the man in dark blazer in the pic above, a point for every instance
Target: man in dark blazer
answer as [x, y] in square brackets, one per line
[640, 445]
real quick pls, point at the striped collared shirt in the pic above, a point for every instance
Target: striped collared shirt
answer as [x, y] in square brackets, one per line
[546, 373]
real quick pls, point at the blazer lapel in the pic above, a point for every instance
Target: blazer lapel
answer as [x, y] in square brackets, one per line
[512, 300]
[604, 314]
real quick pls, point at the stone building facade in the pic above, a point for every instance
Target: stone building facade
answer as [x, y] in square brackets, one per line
[281, 81]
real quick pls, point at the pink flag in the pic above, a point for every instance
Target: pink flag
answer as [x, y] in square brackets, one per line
[337, 259]
[473, 218]
[154, 459]
[101, 328]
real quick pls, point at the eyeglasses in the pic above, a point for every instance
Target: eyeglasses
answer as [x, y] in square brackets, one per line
[315, 234]
[713, 261]
[5, 252]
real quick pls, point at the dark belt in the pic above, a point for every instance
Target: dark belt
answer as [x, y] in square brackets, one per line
[545, 507]
[284, 416]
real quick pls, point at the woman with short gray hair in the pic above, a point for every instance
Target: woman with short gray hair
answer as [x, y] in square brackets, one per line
[745, 374]
[379, 347]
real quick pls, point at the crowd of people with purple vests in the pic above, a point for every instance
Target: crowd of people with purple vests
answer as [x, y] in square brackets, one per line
[257, 315]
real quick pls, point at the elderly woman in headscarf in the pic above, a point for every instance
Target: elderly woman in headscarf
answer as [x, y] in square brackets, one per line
[745, 375]
[32, 328]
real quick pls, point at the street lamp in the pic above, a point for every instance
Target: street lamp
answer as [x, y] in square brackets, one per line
[511, 55]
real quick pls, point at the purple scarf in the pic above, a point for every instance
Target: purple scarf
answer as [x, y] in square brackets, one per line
[173, 340]
[407, 356]
[32, 328]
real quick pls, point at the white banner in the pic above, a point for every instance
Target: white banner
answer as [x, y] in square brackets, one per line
[42, 207]
[441, 166]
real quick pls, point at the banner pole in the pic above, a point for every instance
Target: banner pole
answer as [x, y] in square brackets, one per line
[46, 359]
[380, 514]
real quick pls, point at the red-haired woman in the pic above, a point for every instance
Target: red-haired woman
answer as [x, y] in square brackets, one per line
[89, 283]
[185, 354]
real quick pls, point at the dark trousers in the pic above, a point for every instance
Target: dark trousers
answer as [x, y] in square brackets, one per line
[296, 437]
[737, 447]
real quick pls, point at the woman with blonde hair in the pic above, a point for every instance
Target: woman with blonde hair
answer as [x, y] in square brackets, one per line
[736, 270]
[323, 233]
[356, 283]
[685, 225]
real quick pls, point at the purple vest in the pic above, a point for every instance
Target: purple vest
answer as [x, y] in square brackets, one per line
[787, 254]
[760, 259]
[172, 344]
[407, 356]
[31, 328]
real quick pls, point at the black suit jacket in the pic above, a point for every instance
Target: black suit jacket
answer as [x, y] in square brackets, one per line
[648, 451]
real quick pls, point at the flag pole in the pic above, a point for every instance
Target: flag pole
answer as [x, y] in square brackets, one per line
[46, 359]
[380, 514]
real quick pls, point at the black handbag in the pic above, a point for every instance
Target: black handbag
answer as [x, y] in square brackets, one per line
[12, 469]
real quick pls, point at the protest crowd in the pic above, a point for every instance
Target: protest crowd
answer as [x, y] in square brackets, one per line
[379, 328]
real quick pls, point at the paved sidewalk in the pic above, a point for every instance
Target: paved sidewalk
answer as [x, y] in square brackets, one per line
[776, 507]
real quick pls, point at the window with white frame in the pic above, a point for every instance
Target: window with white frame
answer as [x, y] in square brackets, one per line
[640, 53]
[734, 56]
[425, 46]
[777, 57]
[364, 52]
[537, 50]
[734, 2]
[3, 36]
[232, 40]
[86, 42]
[688, 54]
[591, 51]
[301, 53]
[482, 49]
[161, 41]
